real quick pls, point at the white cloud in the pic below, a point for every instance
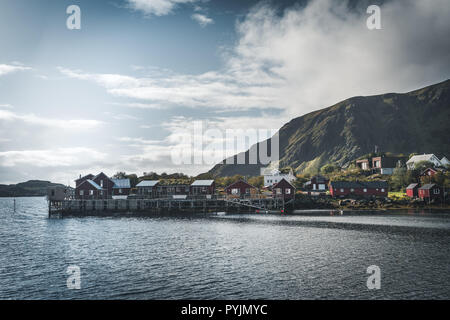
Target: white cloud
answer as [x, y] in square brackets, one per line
[6, 106]
[202, 19]
[5, 68]
[32, 119]
[156, 7]
[61, 157]
[306, 59]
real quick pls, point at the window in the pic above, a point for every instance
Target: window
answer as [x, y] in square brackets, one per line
[91, 192]
[382, 190]
[81, 192]
[247, 190]
[365, 190]
[235, 191]
[287, 191]
[342, 190]
[101, 192]
[436, 191]
[352, 190]
[278, 190]
[120, 190]
[101, 183]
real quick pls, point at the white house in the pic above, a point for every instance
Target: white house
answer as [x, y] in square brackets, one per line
[445, 161]
[423, 157]
[274, 176]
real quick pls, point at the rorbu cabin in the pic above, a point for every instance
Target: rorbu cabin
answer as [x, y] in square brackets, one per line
[241, 189]
[121, 188]
[358, 188]
[203, 187]
[147, 189]
[317, 183]
[430, 191]
[89, 190]
[412, 190]
[284, 189]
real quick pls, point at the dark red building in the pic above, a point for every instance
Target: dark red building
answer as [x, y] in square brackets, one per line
[359, 188]
[203, 187]
[317, 183]
[430, 191]
[241, 189]
[101, 187]
[81, 179]
[284, 189]
[89, 190]
[412, 190]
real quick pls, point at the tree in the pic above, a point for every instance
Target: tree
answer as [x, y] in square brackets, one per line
[256, 181]
[422, 165]
[120, 175]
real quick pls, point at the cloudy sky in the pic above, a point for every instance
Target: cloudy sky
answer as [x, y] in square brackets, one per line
[115, 94]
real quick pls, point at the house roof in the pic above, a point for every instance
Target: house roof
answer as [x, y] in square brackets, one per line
[245, 182]
[202, 183]
[421, 157]
[359, 184]
[428, 186]
[121, 183]
[147, 183]
[412, 186]
[92, 183]
[427, 169]
[284, 181]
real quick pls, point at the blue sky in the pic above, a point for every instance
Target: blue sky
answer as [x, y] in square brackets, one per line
[114, 95]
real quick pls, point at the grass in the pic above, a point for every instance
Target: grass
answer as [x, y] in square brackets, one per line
[398, 195]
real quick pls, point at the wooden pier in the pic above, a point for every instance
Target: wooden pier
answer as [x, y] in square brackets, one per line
[144, 207]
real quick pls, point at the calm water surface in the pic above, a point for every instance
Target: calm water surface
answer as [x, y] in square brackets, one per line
[310, 256]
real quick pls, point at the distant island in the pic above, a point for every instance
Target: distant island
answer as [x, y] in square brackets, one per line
[32, 188]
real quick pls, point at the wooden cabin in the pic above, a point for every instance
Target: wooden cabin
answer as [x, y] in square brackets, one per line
[412, 190]
[284, 189]
[241, 189]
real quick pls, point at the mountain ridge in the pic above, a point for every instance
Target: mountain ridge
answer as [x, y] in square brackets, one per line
[416, 121]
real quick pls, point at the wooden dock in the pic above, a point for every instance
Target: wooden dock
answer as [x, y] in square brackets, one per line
[143, 207]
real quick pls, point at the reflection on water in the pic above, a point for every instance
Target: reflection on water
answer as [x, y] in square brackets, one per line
[309, 255]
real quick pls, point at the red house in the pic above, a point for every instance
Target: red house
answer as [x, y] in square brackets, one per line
[430, 172]
[317, 183]
[202, 187]
[81, 179]
[284, 189]
[89, 190]
[412, 190]
[358, 188]
[241, 189]
[121, 188]
[101, 187]
[430, 191]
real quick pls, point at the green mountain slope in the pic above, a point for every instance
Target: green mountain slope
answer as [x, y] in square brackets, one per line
[417, 121]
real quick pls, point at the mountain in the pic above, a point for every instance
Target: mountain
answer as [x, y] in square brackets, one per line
[416, 121]
[32, 188]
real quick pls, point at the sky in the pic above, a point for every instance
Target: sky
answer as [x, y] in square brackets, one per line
[127, 90]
